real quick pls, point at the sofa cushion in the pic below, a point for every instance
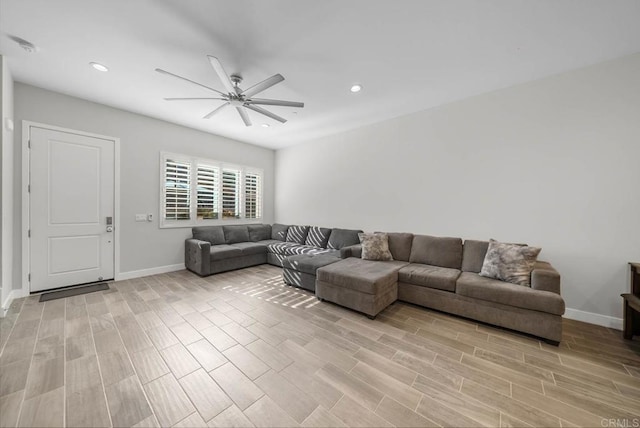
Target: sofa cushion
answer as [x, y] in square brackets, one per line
[365, 276]
[279, 231]
[299, 249]
[318, 237]
[236, 233]
[222, 252]
[510, 262]
[308, 263]
[212, 234]
[472, 285]
[259, 232]
[473, 254]
[436, 251]
[249, 248]
[429, 276]
[375, 246]
[279, 247]
[400, 245]
[297, 234]
[343, 238]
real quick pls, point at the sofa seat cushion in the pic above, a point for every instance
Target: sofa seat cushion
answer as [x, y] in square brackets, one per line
[249, 248]
[303, 249]
[222, 252]
[308, 263]
[279, 247]
[478, 287]
[429, 276]
[364, 276]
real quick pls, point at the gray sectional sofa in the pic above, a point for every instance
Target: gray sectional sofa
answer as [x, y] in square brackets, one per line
[434, 272]
[215, 249]
[443, 274]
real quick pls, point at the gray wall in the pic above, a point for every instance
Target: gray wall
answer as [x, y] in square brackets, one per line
[143, 245]
[554, 163]
[6, 184]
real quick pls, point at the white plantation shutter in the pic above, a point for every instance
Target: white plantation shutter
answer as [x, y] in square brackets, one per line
[208, 192]
[177, 190]
[197, 191]
[230, 193]
[252, 195]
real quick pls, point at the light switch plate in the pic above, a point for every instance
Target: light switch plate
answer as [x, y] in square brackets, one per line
[141, 217]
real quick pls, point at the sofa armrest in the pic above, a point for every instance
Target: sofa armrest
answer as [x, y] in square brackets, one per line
[544, 277]
[197, 256]
[351, 251]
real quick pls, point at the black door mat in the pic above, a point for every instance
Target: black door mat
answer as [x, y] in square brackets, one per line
[74, 291]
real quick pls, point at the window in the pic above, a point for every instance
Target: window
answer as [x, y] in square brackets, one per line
[252, 195]
[201, 191]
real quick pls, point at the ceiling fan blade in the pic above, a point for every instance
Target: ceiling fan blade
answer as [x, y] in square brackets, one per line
[265, 84]
[224, 77]
[265, 112]
[244, 115]
[161, 71]
[211, 113]
[189, 99]
[261, 101]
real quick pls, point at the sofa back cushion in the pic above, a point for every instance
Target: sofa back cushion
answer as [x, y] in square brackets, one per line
[436, 251]
[236, 233]
[473, 255]
[343, 238]
[400, 245]
[212, 234]
[279, 231]
[297, 234]
[318, 237]
[259, 232]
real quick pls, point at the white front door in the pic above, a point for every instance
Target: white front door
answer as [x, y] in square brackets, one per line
[71, 206]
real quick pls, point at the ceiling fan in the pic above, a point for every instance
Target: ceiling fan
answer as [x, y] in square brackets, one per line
[235, 96]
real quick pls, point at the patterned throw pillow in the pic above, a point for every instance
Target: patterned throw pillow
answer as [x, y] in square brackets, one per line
[510, 262]
[375, 246]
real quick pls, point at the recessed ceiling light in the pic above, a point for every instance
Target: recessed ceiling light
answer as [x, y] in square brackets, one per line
[99, 67]
[356, 88]
[265, 125]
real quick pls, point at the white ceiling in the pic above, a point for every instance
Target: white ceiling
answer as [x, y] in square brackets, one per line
[409, 55]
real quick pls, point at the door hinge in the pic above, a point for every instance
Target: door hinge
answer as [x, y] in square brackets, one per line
[29, 277]
[29, 233]
[29, 188]
[29, 144]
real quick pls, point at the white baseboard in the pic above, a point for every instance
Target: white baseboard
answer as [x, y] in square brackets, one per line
[592, 318]
[151, 271]
[14, 294]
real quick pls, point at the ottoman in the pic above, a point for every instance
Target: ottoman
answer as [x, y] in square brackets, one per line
[300, 270]
[362, 285]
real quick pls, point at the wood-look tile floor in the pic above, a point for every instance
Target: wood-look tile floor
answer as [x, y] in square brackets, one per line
[243, 349]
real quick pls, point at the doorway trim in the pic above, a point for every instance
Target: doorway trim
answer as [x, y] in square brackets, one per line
[26, 253]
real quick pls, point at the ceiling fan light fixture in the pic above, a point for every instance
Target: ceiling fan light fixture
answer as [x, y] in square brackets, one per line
[99, 67]
[356, 88]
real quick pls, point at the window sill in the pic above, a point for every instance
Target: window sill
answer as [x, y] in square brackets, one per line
[189, 224]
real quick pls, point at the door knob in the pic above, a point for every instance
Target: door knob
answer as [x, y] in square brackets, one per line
[109, 228]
